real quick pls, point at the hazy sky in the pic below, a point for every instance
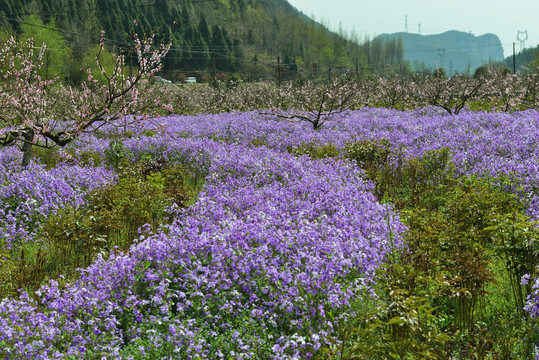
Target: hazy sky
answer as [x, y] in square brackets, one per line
[374, 17]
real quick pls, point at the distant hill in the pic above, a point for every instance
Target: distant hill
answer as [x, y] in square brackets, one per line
[455, 51]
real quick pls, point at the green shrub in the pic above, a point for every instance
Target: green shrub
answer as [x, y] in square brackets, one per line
[399, 323]
[48, 157]
[516, 241]
[116, 155]
[315, 151]
[90, 158]
[467, 238]
[20, 268]
[110, 221]
[259, 142]
[368, 153]
[233, 81]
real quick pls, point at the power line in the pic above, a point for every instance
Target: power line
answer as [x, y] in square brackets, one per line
[41, 26]
[172, 49]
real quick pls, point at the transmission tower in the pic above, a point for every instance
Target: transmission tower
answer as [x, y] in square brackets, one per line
[441, 54]
[523, 39]
[419, 28]
[405, 23]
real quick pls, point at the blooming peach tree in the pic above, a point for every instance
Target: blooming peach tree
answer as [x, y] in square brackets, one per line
[316, 103]
[39, 112]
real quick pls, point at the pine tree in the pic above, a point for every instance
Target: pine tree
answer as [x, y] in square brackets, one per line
[185, 19]
[238, 55]
[165, 12]
[5, 7]
[242, 6]
[219, 46]
[203, 29]
[226, 37]
[200, 53]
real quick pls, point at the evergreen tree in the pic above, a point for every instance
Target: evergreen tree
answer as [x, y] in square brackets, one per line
[185, 19]
[5, 7]
[189, 34]
[46, 12]
[242, 6]
[5, 10]
[250, 37]
[220, 47]
[175, 16]
[203, 29]
[165, 12]
[226, 37]
[217, 39]
[263, 24]
[238, 55]
[200, 52]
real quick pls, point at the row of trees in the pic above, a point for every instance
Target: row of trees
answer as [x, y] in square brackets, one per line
[36, 109]
[316, 102]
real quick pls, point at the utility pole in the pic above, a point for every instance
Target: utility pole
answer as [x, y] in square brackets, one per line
[419, 28]
[279, 69]
[130, 64]
[514, 60]
[214, 72]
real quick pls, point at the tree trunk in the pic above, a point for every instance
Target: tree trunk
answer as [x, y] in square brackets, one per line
[27, 147]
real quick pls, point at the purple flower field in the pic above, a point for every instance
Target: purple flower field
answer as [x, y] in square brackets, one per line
[30, 195]
[276, 250]
[491, 144]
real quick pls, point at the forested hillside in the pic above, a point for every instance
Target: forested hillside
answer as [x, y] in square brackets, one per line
[524, 59]
[210, 37]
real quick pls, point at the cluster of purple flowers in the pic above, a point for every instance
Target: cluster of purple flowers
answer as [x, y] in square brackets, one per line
[532, 303]
[28, 195]
[275, 251]
[273, 245]
[491, 144]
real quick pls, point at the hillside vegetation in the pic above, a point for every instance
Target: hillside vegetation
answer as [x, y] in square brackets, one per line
[254, 38]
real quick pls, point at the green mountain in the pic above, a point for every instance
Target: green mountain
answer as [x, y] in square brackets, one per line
[455, 51]
[249, 37]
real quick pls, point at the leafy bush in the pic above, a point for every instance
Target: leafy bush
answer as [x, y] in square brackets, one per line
[315, 151]
[375, 158]
[114, 214]
[233, 81]
[117, 155]
[368, 152]
[72, 237]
